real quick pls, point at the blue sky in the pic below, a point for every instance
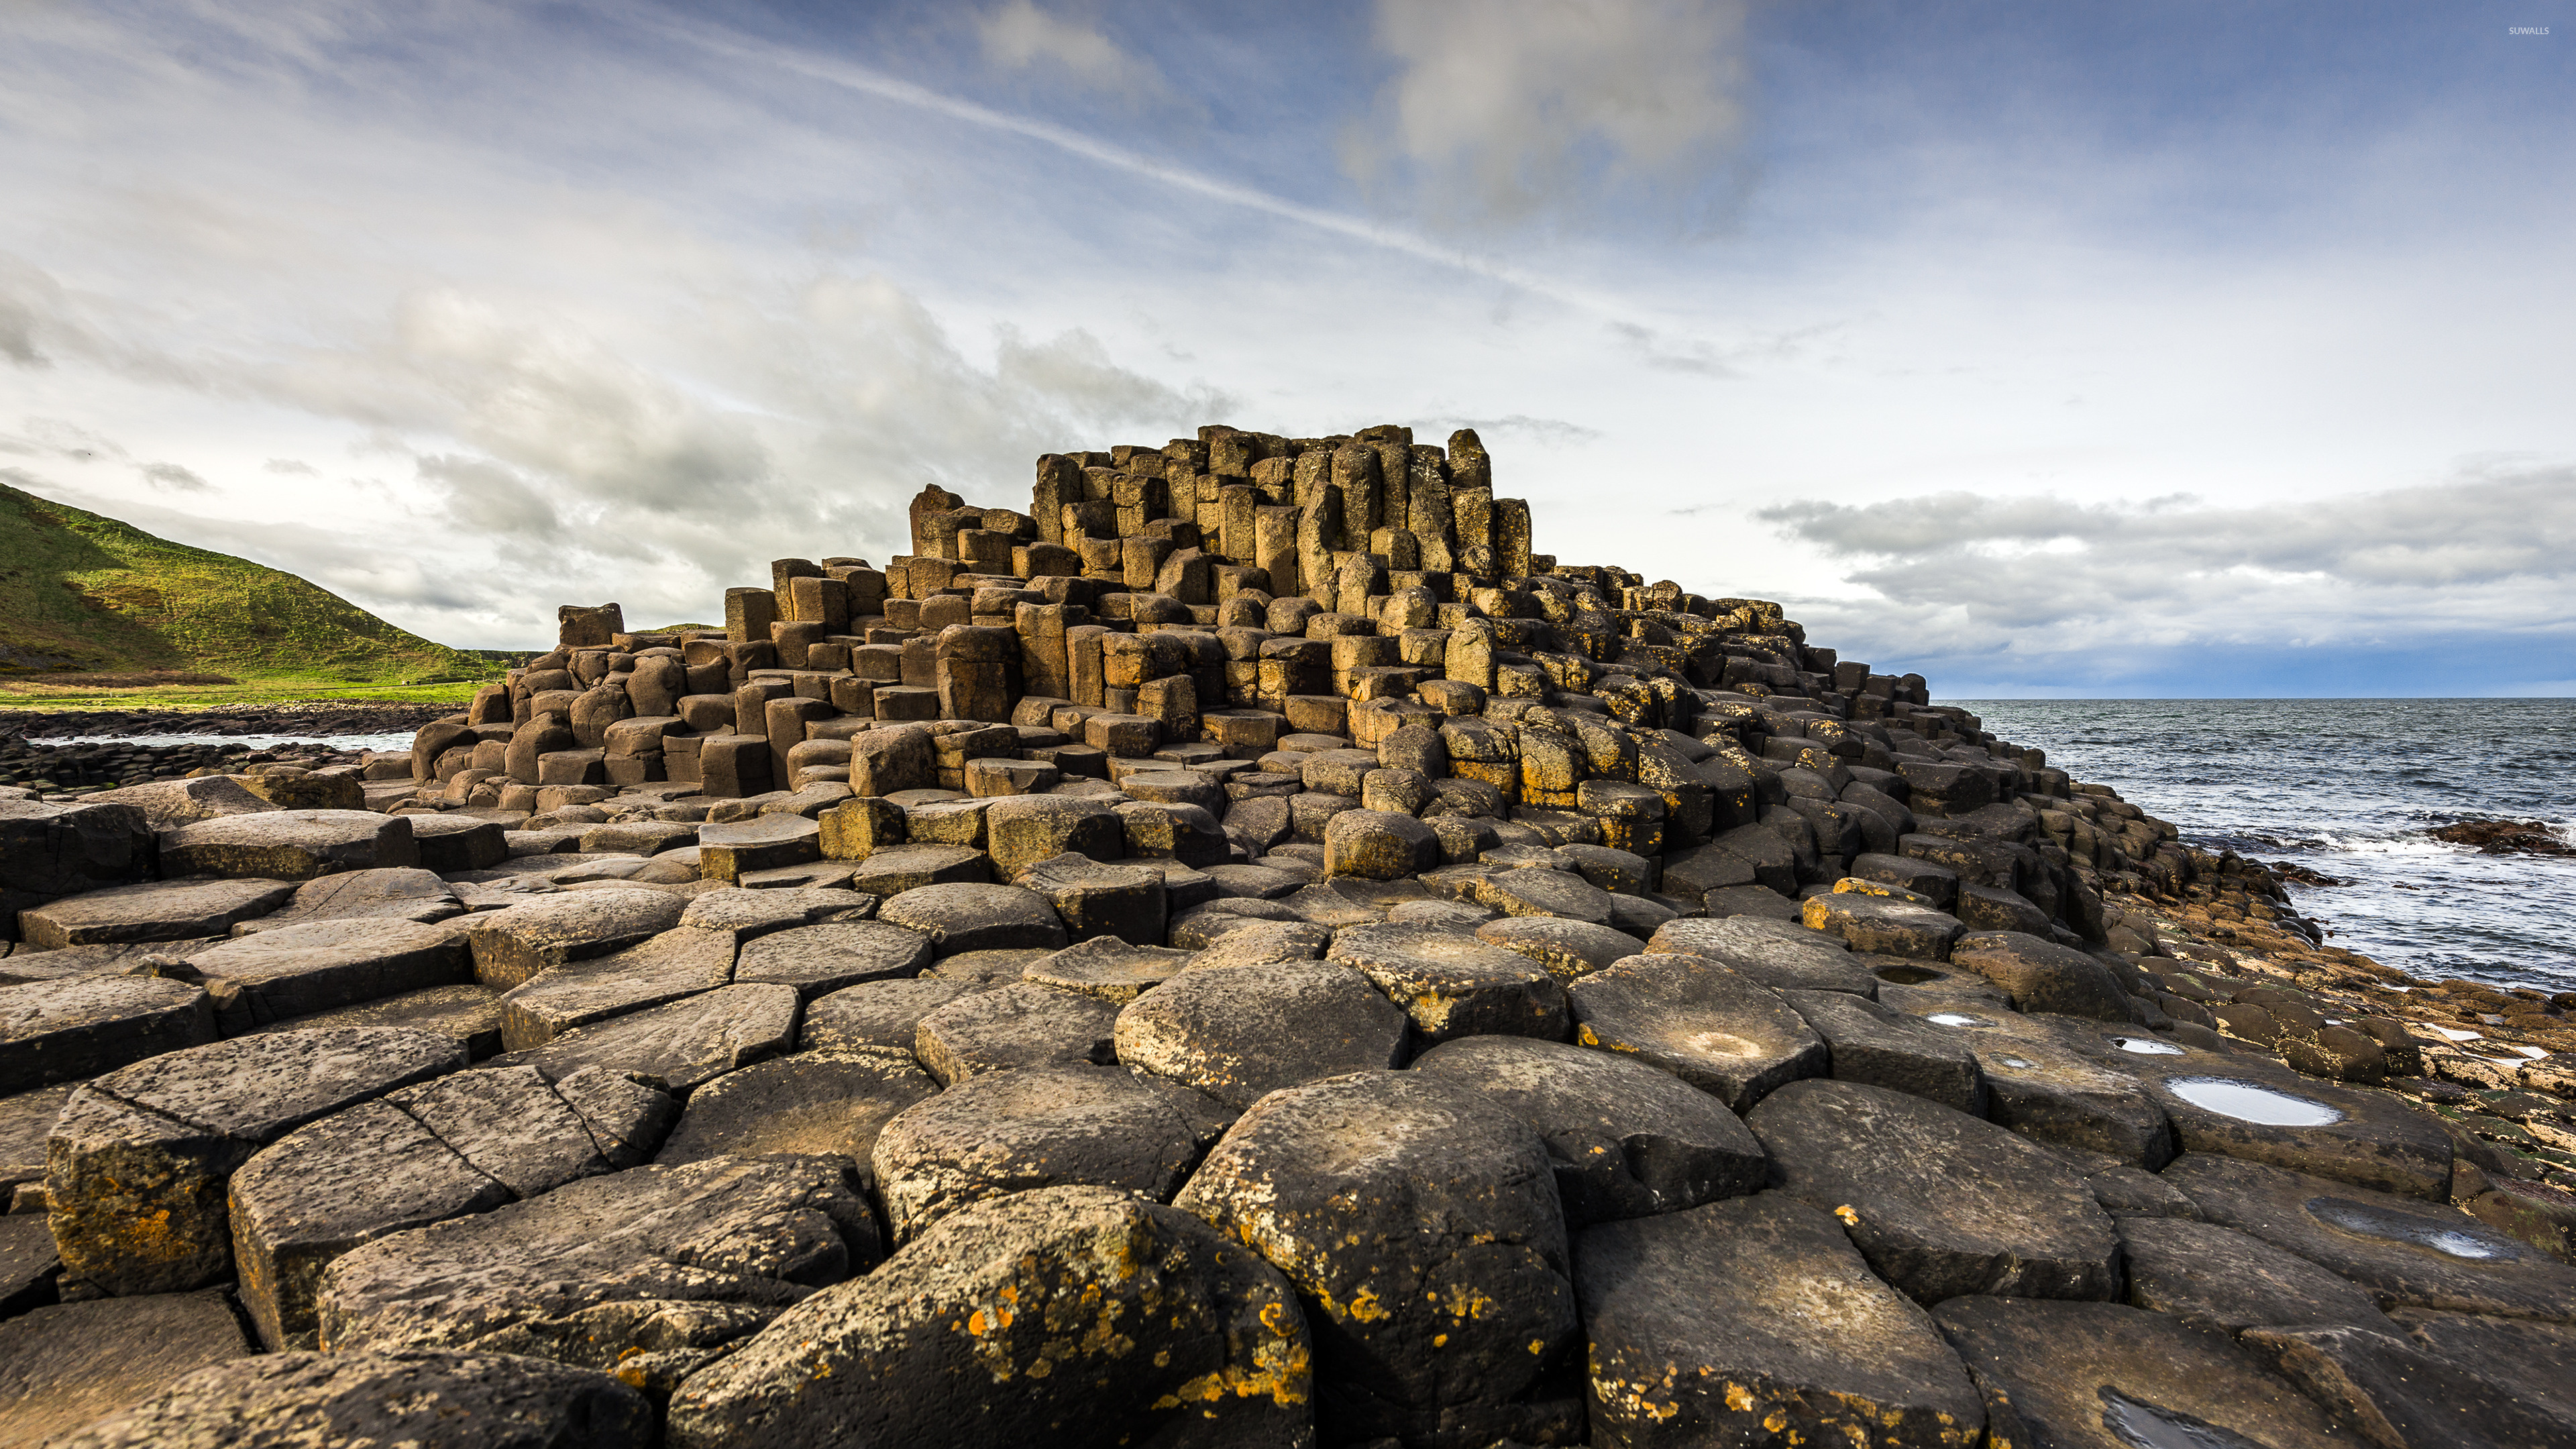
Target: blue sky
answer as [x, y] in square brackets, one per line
[2163, 349]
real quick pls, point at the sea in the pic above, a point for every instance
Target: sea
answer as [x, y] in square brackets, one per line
[2348, 788]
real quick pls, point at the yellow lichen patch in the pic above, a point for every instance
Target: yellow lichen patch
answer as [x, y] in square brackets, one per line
[1465, 1302]
[1538, 1345]
[1739, 1398]
[1439, 1340]
[1850, 1218]
[1365, 1308]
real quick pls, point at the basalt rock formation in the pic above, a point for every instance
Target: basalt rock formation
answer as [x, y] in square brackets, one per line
[1242, 952]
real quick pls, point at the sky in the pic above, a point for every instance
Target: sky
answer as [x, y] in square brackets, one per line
[2169, 349]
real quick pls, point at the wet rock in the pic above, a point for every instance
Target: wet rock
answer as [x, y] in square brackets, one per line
[977, 918]
[63, 1366]
[2221, 1278]
[1108, 968]
[680, 962]
[1453, 984]
[1939, 1202]
[2101, 1376]
[1072, 1316]
[1883, 927]
[2039, 1084]
[880, 1017]
[562, 1276]
[1418, 1222]
[69, 1030]
[1625, 1139]
[2402, 1251]
[2038, 975]
[459, 1144]
[138, 1164]
[1699, 1021]
[172, 910]
[1754, 1321]
[298, 970]
[513, 944]
[51, 851]
[396, 894]
[2531, 1356]
[1877, 1047]
[1014, 1026]
[469, 1014]
[1240, 1032]
[809, 1104]
[680, 1046]
[2242, 1107]
[460, 842]
[293, 845]
[428, 1400]
[832, 957]
[1567, 949]
[1005, 1132]
[1092, 898]
[1782, 957]
[2396, 1392]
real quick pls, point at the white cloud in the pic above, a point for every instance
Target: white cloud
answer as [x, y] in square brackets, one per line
[1503, 110]
[175, 479]
[1018, 35]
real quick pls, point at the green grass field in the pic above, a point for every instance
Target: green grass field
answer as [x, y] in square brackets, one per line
[96, 613]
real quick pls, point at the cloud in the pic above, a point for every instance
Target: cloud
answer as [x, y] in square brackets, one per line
[288, 465]
[1546, 432]
[2024, 588]
[1020, 36]
[173, 478]
[1509, 110]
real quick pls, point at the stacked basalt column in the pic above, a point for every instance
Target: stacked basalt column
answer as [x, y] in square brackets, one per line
[1218, 595]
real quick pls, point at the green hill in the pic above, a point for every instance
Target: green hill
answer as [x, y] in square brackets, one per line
[84, 594]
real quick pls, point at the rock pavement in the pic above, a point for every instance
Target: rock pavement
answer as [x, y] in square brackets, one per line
[1244, 951]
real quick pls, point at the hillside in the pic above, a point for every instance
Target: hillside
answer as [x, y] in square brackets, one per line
[83, 593]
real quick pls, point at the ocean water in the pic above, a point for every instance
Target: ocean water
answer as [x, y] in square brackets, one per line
[395, 742]
[2347, 788]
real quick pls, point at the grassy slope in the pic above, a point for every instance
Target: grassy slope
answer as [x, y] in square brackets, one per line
[82, 592]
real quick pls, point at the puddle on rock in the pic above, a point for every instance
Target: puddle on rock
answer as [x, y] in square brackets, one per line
[2456, 1034]
[1907, 975]
[2146, 1046]
[2141, 1425]
[2019, 1063]
[1956, 1018]
[2433, 1233]
[2253, 1102]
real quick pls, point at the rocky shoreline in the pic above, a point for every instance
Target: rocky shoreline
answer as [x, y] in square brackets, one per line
[1244, 952]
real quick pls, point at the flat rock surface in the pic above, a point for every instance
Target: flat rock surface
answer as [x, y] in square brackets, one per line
[63, 1366]
[1699, 1020]
[1625, 1139]
[1003, 1132]
[977, 918]
[291, 845]
[824, 958]
[401, 893]
[545, 1277]
[1454, 984]
[1877, 1047]
[1068, 1316]
[425, 1400]
[2102, 1376]
[2398, 1390]
[514, 944]
[1108, 968]
[681, 962]
[1568, 949]
[883, 1017]
[683, 1045]
[139, 1162]
[64, 1031]
[2041, 1085]
[162, 910]
[814, 1103]
[1745, 1321]
[1939, 1202]
[321, 965]
[1790, 958]
[2253, 1108]
[1418, 1222]
[2404, 1252]
[1240, 1031]
[1019, 1025]
[2041, 975]
[2231, 1281]
[469, 1013]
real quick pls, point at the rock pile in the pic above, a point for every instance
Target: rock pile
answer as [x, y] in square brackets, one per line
[1243, 952]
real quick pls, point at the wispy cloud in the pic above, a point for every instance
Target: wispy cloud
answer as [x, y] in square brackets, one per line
[1019, 35]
